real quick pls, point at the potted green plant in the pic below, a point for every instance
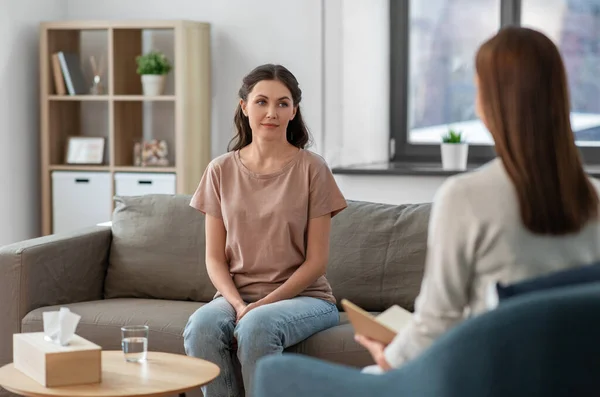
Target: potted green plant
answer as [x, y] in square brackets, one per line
[455, 151]
[153, 68]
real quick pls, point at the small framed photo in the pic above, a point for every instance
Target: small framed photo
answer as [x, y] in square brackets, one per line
[85, 150]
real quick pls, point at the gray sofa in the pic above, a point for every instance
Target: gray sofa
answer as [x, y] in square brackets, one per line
[148, 268]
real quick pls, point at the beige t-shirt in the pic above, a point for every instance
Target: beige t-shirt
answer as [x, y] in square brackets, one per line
[266, 218]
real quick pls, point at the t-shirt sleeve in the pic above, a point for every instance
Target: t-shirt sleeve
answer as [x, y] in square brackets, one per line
[325, 196]
[207, 198]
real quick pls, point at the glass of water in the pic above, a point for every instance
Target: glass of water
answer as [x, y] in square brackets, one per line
[134, 342]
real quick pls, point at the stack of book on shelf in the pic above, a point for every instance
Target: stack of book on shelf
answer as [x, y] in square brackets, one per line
[68, 74]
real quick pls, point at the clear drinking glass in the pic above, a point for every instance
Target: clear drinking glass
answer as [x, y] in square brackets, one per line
[134, 342]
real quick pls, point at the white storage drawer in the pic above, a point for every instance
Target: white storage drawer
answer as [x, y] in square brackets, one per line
[139, 184]
[80, 199]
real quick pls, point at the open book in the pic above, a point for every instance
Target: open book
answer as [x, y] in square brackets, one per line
[383, 327]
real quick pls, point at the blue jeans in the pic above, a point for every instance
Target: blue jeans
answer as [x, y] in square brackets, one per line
[212, 333]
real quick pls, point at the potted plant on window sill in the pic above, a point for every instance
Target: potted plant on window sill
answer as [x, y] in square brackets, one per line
[153, 68]
[455, 151]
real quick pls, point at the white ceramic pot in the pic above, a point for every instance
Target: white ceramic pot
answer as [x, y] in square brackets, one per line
[454, 156]
[153, 84]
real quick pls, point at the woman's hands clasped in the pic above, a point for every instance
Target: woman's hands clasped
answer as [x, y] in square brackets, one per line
[242, 309]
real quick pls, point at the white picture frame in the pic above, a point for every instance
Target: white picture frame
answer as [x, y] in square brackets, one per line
[85, 150]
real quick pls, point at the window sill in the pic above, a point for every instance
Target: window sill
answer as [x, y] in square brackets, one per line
[400, 168]
[420, 169]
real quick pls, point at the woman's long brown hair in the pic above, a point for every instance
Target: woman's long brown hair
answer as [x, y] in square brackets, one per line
[525, 103]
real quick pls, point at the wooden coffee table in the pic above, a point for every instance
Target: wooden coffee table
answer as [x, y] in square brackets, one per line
[161, 374]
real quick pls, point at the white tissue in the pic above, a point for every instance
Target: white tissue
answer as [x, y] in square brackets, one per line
[59, 327]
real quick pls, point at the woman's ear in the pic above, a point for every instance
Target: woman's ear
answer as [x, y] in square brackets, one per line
[243, 106]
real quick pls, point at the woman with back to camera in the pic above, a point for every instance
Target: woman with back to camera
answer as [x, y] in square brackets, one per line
[531, 211]
[268, 205]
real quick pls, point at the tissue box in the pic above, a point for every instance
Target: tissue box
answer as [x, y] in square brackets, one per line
[53, 365]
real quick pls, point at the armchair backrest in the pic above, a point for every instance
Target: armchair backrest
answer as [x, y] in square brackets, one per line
[540, 344]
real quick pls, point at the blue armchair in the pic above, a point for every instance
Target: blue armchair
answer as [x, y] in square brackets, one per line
[540, 344]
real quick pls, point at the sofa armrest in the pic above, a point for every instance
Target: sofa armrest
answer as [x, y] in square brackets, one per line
[51, 270]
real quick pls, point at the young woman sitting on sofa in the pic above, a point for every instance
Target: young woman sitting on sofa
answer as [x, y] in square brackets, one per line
[527, 213]
[268, 204]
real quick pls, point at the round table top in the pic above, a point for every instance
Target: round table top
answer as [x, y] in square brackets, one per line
[161, 374]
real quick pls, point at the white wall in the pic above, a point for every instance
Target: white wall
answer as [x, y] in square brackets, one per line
[245, 34]
[19, 114]
[356, 113]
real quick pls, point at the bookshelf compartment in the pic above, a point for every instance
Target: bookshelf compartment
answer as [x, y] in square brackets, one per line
[137, 121]
[71, 118]
[123, 115]
[130, 43]
[78, 47]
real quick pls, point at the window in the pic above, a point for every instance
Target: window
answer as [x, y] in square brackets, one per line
[432, 67]
[441, 68]
[574, 25]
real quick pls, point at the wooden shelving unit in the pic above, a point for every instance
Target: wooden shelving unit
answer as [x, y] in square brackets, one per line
[124, 115]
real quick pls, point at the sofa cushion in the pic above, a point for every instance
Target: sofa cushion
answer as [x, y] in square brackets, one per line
[101, 323]
[335, 344]
[157, 250]
[377, 254]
